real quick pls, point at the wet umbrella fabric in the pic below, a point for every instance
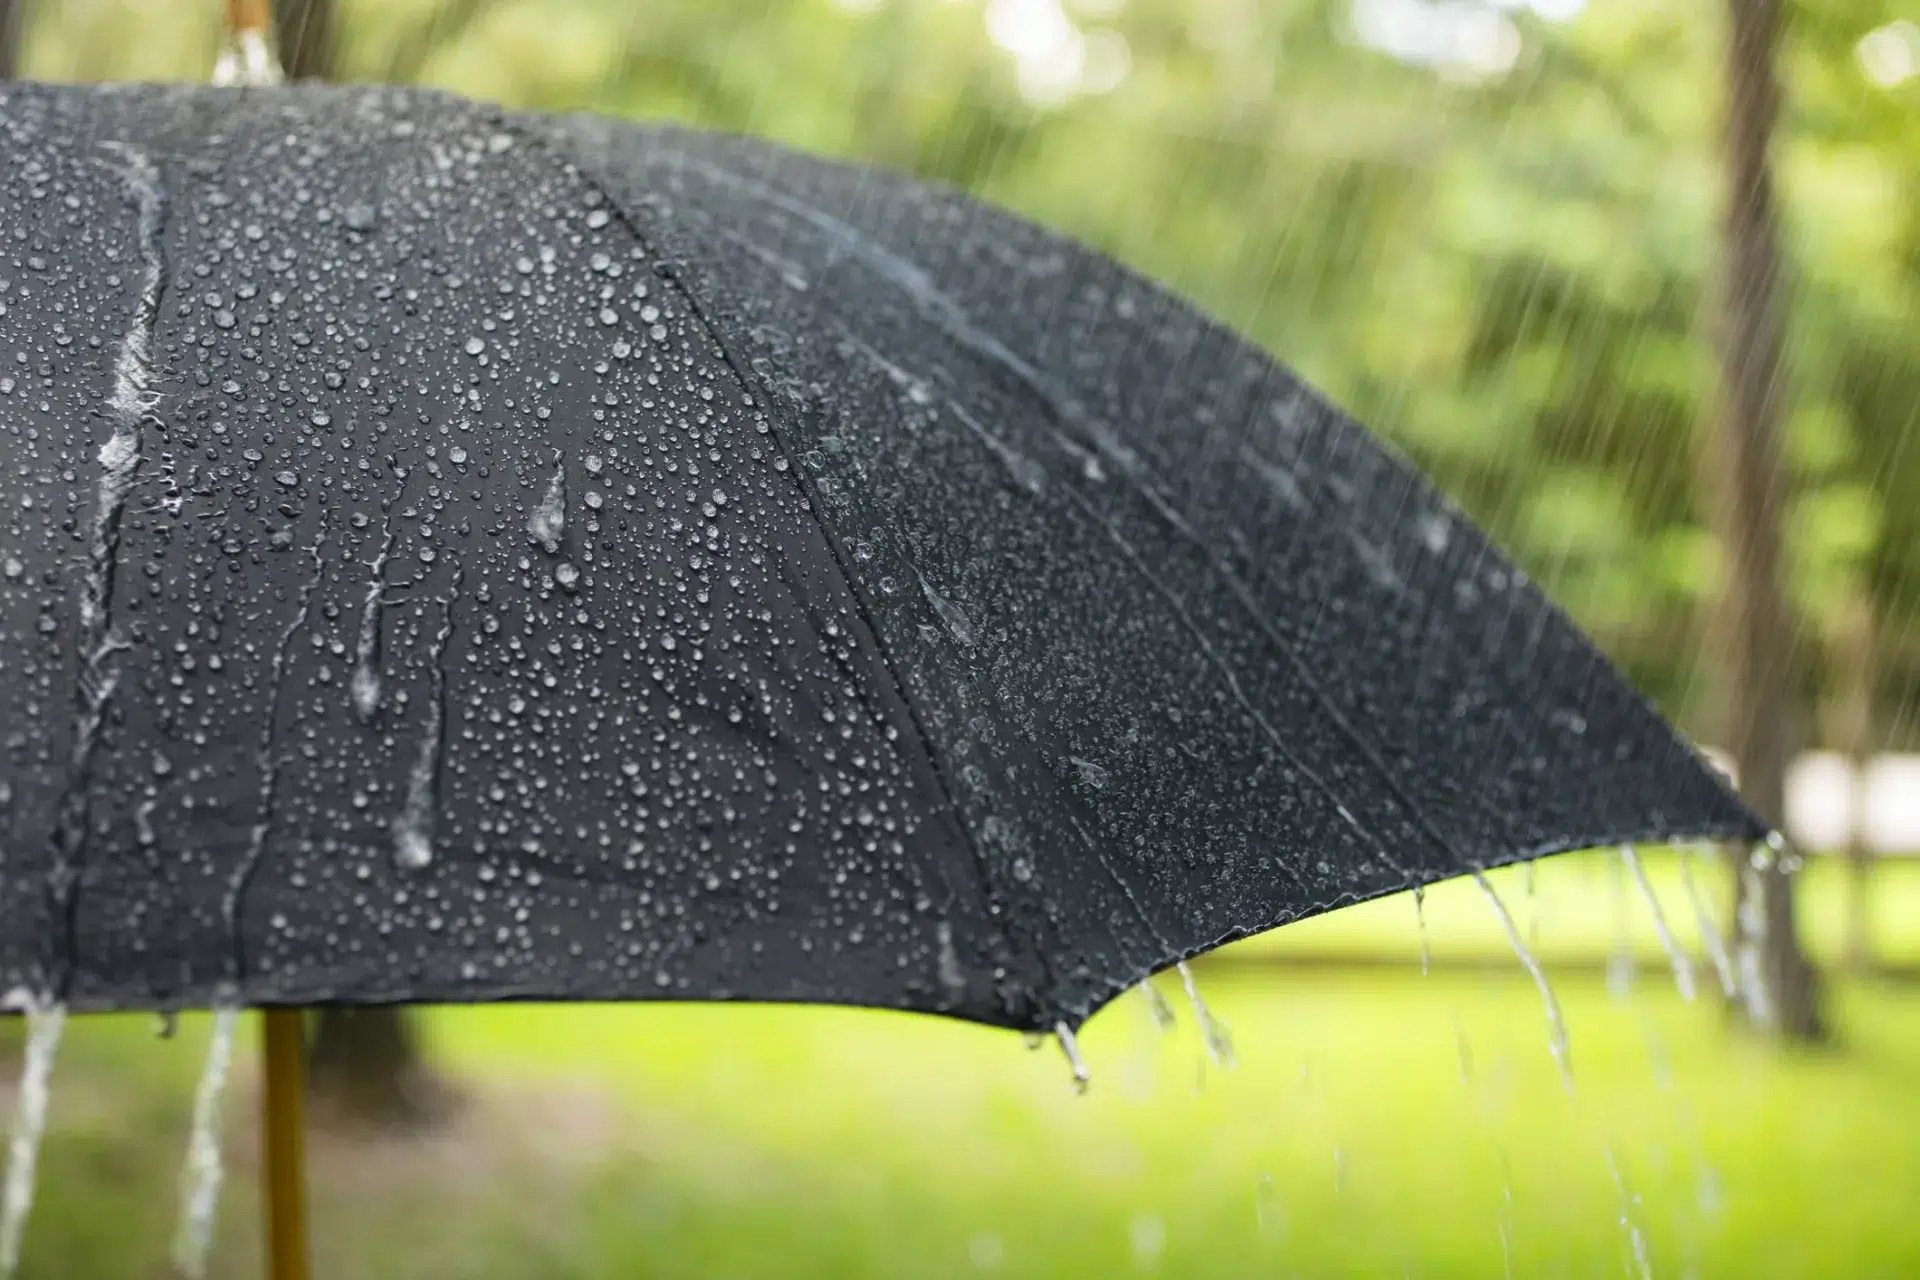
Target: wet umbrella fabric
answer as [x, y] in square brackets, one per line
[451, 555]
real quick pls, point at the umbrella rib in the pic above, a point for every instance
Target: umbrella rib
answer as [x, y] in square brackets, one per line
[1028, 474]
[750, 381]
[1126, 890]
[1219, 664]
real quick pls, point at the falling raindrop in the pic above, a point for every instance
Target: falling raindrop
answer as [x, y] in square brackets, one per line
[1266, 1207]
[1216, 1033]
[1620, 957]
[1710, 935]
[1753, 929]
[1682, 964]
[1071, 1047]
[1157, 1006]
[1148, 1236]
[1630, 1230]
[986, 1251]
[45, 1021]
[1505, 1221]
[1420, 923]
[1556, 1025]
[200, 1178]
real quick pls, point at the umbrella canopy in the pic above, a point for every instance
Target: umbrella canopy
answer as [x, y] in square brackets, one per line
[452, 555]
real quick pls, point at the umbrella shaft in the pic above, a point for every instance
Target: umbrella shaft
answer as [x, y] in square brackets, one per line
[248, 15]
[282, 1045]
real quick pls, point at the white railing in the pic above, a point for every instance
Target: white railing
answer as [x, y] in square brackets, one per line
[1825, 809]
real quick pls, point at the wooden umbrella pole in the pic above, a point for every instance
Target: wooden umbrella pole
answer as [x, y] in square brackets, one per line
[249, 15]
[283, 1044]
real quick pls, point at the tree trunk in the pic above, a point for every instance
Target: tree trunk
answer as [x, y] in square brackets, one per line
[303, 33]
[1779, 985]
[13, 22]
[365, 1065]
[1858, 660]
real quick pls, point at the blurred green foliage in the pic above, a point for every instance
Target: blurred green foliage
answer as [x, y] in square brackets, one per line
[1511, 275]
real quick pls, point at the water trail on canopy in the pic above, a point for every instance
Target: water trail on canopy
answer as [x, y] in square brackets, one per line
[1681, 962]
[1071, 1047]
[1710, 936]
[547, 522]
[1420, 923]
[200, 1178]
[45, 1021]
[1556, 1025]
[1217, 1034]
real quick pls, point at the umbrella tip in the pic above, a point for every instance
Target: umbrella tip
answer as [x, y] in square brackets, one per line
[1071, 1047]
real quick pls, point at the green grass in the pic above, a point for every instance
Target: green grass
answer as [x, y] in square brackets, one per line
[1581, 906]
[1377, 1125]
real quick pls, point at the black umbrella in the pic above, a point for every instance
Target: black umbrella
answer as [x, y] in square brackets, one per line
[452, 555]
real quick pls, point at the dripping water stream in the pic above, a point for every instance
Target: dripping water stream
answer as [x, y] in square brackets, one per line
[1682, 964]
[45, 1022]
[201, 1175]
[1216, 1034]
[1711, 936]
[1556, 1024]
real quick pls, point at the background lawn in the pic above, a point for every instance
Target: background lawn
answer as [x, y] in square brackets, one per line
[1379, 1123]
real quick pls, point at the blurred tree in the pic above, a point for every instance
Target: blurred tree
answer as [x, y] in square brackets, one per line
[1758, 689]
[303, 33]
[1853, 735]
[364, 1065]
[13, 17]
